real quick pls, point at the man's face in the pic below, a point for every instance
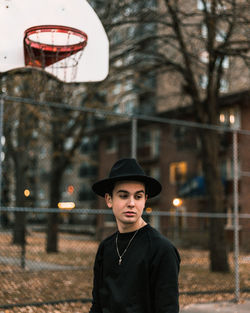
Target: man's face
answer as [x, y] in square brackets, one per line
[127, 201]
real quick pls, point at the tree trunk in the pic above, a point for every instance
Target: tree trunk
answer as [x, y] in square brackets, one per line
[19, 230]
[53, 218]
[52, 233]
[215, 191]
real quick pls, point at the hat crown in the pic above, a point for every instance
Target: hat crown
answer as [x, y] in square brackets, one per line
[125, 167]
[127, 170]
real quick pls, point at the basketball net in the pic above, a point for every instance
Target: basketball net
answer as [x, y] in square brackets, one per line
[56, 49]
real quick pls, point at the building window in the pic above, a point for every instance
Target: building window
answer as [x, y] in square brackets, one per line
[87, 170]
[131, 31]
[86, 194]
[230, 117]
[116, 108]
[203, 81]
[129, 84]
[117, 88]
[204, 57]
[224, 86]
[226, 169]
[221, 35]
[203, 5]
[129, 58]
[89, 145]
[111, 144]
[118, 63]
[148, 143]
[156, 142]
[204, 31]
[225, 62]
[156, 173]
[69, 169]
[130, 106]
[117, 37]
[178, 172]
[144, 138]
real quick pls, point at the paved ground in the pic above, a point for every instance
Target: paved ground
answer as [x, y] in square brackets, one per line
[221, 307]
[33, 265]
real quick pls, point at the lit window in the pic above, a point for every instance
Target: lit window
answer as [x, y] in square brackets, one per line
[222, 118]
[230, 117]
[178, 172]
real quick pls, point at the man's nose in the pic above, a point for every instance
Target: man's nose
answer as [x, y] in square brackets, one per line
[131, 201]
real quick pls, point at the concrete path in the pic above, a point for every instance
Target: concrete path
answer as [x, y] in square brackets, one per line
[221, 307]
[36, 266]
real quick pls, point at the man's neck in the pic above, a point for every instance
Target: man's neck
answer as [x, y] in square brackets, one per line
[128, 228]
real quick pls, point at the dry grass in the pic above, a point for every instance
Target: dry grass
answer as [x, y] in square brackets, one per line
[25, 286]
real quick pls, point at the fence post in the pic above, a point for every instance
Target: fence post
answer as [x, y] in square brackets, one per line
[1, 150]
[236, 214]
[23, 255]
[134, 138]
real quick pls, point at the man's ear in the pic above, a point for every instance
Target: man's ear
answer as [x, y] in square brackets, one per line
[108, 200]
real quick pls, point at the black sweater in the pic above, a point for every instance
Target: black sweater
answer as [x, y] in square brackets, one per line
[145, 282]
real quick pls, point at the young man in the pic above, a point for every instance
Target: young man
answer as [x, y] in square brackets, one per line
[136, 269]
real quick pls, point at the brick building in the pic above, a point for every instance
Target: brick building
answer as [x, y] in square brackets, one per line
[170, 153]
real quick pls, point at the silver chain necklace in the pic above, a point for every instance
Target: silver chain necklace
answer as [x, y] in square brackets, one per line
[116, 243]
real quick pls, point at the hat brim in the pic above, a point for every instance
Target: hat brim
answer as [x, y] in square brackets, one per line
[153, 187]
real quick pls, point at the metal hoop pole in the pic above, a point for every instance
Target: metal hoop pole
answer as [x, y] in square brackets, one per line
[236, 215]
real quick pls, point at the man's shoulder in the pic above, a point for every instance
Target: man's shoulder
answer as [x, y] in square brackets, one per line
[158, 240]
[157, 236]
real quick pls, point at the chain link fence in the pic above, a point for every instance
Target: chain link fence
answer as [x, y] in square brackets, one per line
[49, 161]
[31, 276]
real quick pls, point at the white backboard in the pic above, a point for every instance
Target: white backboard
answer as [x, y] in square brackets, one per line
[18, 15]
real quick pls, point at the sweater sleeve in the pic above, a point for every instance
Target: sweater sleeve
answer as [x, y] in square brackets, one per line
[96, 305]
[164, 279]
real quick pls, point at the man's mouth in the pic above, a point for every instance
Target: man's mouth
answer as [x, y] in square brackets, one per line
[129, 213]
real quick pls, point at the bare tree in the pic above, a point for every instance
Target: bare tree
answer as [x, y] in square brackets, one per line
[59, 127]
[188, 45]
[20, 123]
[66, 131]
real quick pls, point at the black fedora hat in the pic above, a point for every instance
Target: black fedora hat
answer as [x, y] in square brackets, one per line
[127, 169]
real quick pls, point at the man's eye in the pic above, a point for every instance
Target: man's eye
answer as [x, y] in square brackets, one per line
[123, 196]
[138, 197]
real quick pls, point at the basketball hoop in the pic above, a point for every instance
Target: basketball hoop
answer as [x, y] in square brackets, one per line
[56, 48]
